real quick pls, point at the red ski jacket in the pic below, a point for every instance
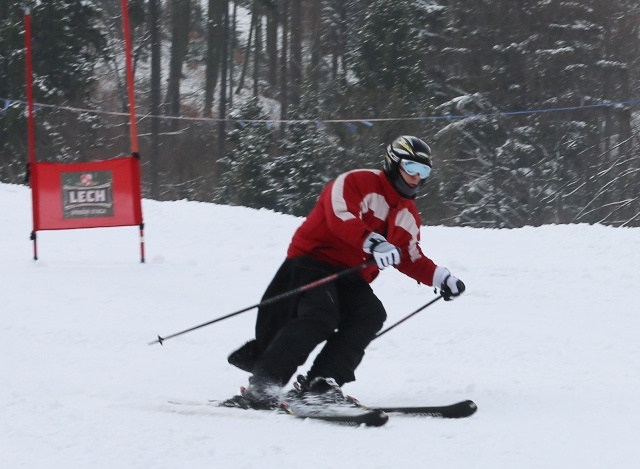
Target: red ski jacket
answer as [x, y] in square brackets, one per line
[352, 206]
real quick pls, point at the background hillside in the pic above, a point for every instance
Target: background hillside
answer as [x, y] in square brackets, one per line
[530, 107]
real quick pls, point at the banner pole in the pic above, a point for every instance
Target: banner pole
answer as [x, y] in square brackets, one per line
[31, 165]
[133, 126]
[133, 130]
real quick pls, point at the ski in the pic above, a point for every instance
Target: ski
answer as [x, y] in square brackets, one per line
[356, 415]
[459, 410]
[348, 415]
[342, 415]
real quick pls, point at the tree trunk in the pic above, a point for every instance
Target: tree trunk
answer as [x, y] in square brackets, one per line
[222, 114]
[179, 41]
[316, 44]
[284, 75]
[247, 53]
[214, 34]
[295, 62]
[258, 51]
[231, 37]
[156, 84]
[272, 48]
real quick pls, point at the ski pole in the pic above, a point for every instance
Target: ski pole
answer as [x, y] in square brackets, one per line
[274, 299]
[407, 317]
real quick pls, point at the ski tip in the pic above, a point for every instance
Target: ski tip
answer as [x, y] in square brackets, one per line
[353, 417]
[471, 408]
[377, 419]
[370, 418]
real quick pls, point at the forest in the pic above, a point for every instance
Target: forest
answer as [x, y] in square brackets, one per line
[530, 106]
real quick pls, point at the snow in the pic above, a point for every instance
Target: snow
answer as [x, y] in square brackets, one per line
[545, 341]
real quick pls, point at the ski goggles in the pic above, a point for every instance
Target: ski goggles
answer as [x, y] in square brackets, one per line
[413, 167]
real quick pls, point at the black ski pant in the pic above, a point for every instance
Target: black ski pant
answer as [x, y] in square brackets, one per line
[345, 313]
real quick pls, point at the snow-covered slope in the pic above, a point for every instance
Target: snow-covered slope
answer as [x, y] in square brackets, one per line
[545, 341]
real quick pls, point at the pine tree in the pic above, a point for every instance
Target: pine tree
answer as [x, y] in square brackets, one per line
[538, 168]
[309, 159]
[66, 44]
[395, 43]
[248, 166]
[394, 60]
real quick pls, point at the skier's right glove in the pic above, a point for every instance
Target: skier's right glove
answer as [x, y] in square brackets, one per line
[450, 286]
[384, 253]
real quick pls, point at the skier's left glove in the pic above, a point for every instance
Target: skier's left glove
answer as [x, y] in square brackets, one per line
[450, 286]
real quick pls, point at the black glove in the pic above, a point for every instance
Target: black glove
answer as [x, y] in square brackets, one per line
[450, 286]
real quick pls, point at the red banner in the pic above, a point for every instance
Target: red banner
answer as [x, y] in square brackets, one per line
[86, 195]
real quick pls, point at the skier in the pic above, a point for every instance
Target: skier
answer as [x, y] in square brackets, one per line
[362, 214]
